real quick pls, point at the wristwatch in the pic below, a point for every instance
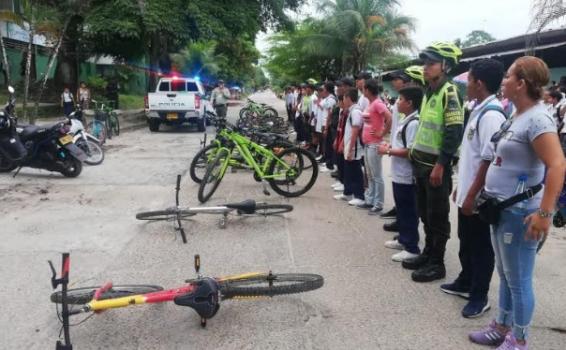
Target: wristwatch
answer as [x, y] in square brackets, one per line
[545, 214]
[389, 152]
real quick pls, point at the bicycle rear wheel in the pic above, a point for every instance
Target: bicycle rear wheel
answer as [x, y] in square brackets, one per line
[84, 295]
[98, 130]
[294, 172]
[264, 209]
[200, 162]
[270, 285]
[115, 124]
[163, 215]
[214, 174]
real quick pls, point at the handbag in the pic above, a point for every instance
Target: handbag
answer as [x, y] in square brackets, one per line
[489, 208]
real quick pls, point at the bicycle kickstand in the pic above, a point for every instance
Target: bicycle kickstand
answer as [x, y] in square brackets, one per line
[265, 191]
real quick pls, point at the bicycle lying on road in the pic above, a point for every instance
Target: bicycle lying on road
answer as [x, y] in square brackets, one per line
[177, 214]
[202, 294]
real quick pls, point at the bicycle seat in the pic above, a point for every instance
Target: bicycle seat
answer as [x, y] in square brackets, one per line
[247, 207]
[204, 300]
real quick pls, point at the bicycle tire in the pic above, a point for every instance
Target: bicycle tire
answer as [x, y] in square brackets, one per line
[163, 215]
[270, 285]
[270, 112]
[307, 162]
[98, 131]
[219, 164]
[265, 209]
[81, 296]
[200, 161]
[116, 124]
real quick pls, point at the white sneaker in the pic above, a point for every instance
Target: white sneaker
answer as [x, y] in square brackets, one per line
[394, 245]
[342, 197]
[339, 188]
[336, 184]
[357, 201]
[402, 256]
[318, 158]
[323, 169]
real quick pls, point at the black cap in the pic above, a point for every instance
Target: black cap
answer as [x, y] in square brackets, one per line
[400, 74]
[363, 75]
[346, 81]
[430, 55]
[220, 81]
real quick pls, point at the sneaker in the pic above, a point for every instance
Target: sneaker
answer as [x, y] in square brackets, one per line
[391, 227]
[356, 201]
[336, 184]
[475, 309]
[364, 206]
[319, 158]
[428, 273]
[375, 210]
[394, 245]
[342, 197]
[402, 256]
[456, 288]
[511, 343]
[390, 214]
[416, 262]
[323, 169]
[339, 188]
[489, 336]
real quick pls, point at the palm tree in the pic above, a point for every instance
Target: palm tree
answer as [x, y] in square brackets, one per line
[362, 30]
[546, 12]
[199, 57]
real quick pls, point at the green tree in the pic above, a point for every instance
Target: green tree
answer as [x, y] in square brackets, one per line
[546, 12]
[477, 37]
[198, 58]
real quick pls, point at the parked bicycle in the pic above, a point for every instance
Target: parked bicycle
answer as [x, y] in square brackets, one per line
[178, 214]
[290, 172]
[105, 122]
[202, 294]
[85, 141]
[260, 109]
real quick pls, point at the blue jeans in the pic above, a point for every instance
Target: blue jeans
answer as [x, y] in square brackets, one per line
[375, 192]
[515, 261]
[406, 203]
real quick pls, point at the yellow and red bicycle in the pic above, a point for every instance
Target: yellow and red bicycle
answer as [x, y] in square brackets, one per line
[202, 294]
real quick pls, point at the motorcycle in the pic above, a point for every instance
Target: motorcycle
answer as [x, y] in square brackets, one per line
[85, 141]
[50, 148]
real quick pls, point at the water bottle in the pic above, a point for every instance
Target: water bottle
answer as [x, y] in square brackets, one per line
[521, 207]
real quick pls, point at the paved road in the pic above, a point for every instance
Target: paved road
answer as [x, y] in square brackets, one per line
[368, 301]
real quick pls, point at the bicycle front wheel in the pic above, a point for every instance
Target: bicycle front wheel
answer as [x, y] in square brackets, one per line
[93, 151]
[84, 295]
[264, 209]
[200, 162]
[98, 130]
[163, 215]
[270, 285]
[214, 174]
[115, 124]
[293, 173]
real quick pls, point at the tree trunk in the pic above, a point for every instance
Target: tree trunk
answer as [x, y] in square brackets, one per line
[5, 62]
[50, 65]
[27, 77]
[154, 55]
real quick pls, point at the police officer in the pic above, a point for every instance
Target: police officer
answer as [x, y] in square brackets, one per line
[437, 140]
[219, 97]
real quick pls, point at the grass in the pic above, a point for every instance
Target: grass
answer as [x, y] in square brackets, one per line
[131, 101]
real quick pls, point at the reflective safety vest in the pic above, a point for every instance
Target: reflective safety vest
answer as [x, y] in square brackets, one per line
[430, 133]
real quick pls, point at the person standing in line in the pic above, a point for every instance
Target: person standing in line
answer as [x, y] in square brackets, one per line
[67, 101]
[361, 79]
[438, 137]
[476, 253]
[353, 151]
[404, 194]
[327, 103]
[337, 128]
[410, 76]
[377, 122]
[527, 154]
[220, 96]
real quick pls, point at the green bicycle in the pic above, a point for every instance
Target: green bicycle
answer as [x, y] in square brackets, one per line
[290, 172]
[261, 109]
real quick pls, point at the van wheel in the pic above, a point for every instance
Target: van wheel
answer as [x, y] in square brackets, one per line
[154, 124]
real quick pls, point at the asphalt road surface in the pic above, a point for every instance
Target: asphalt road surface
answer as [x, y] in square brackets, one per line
[367, 302]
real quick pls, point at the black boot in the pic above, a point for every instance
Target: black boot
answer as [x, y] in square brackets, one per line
[390, 214]
[416, 262]
[428, 273]
[391, 227]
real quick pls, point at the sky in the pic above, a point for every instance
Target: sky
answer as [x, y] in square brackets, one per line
[447, 20]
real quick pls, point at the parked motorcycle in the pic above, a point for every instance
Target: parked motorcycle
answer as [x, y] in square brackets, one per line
[50, 148]
[85, 141]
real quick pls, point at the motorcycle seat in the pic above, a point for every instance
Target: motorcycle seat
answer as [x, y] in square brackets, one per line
[29, 131]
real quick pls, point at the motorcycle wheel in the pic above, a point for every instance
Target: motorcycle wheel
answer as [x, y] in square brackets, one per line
[5, 165]
[73, 167]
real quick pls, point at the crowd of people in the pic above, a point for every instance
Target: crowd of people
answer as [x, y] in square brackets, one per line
[502, 139]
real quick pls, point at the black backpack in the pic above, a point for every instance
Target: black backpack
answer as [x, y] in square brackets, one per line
[404, 129]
